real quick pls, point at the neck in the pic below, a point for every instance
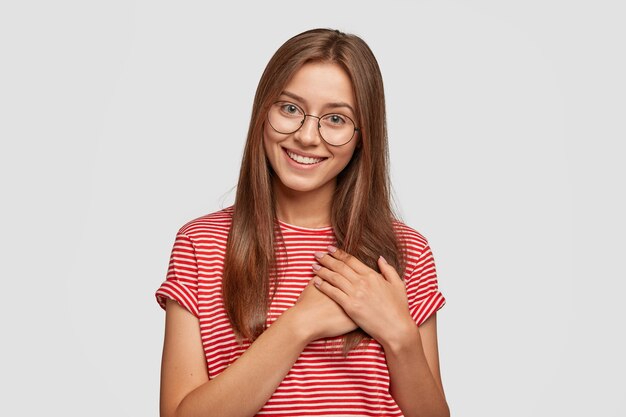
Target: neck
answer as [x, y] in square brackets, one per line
[304, 208]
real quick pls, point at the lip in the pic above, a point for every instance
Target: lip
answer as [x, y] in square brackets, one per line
[310, 155]
[300, 166]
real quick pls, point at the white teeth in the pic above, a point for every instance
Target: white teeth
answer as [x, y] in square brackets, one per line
[303, 159]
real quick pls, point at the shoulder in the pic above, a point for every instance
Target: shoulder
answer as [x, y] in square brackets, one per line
[409, 236]
[214, 225]
[413, 243]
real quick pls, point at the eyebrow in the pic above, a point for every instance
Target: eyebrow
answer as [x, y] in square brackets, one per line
[333, 105]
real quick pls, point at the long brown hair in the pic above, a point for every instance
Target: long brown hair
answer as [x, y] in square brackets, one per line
[361, 216]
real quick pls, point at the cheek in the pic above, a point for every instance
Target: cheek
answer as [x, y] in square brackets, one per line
[346, 156]
[267, 139]
[270, 150]
[270, 141]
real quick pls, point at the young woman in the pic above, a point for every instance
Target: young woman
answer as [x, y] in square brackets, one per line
[307, 296]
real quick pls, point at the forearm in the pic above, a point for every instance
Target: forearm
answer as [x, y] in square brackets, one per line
[413, 385]
[247, 384]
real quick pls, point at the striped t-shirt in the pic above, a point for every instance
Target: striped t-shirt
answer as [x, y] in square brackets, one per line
[322, 381]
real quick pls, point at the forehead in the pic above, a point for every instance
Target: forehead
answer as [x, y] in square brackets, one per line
[320, 84]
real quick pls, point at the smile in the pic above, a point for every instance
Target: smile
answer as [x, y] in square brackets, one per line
[305, 160]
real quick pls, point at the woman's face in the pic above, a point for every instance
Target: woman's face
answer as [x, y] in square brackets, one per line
[302, 160]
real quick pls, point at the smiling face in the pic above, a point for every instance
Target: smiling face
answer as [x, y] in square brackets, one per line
[302, 161]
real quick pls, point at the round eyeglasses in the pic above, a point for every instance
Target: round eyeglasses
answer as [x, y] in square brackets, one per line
[335, 128]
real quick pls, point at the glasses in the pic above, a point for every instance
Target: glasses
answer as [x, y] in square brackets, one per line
[335, 128]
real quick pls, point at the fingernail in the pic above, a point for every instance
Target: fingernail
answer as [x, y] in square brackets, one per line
[332, 249]
[384, 260]
[316, 267]
[317, 281]
[319, 255]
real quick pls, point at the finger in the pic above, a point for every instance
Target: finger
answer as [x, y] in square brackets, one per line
[336, 265]
[388, 271]
[333, 293]
[333, 278]
[356, 265]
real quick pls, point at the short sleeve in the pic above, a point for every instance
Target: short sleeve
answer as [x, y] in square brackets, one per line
[181, 283]
[422, 288]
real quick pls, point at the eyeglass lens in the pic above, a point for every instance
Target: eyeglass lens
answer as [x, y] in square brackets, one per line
[335, 128]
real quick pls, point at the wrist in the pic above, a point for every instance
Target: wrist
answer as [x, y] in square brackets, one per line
[403, 336]
[302, 333]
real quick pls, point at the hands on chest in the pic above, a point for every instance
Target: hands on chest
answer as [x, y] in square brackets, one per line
[346, 294]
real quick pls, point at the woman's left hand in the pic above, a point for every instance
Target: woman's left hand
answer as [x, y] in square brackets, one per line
[376, 302]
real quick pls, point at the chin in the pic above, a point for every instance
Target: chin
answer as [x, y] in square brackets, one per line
[292, 185]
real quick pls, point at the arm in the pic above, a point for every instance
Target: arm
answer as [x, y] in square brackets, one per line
[413, 361]
[247, 384]
[378, 304]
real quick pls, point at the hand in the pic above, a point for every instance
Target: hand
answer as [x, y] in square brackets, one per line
[321, 316]
[376, 302]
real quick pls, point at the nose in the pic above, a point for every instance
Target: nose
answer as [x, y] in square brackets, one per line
[309, 133]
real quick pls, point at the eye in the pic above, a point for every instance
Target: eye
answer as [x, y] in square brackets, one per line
[290, 109]
[335, 119]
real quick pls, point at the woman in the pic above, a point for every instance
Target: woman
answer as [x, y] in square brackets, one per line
[290, 301]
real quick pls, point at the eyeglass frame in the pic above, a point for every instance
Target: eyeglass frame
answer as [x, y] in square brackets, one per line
[319, 126]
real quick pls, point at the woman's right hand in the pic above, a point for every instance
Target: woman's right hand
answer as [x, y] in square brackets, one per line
[320, 316]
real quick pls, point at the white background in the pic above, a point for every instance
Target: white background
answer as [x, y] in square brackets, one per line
[122, 120]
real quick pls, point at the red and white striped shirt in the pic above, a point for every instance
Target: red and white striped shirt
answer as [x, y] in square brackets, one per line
[322, 382]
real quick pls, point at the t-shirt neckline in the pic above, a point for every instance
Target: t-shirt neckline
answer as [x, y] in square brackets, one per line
[323, 229]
